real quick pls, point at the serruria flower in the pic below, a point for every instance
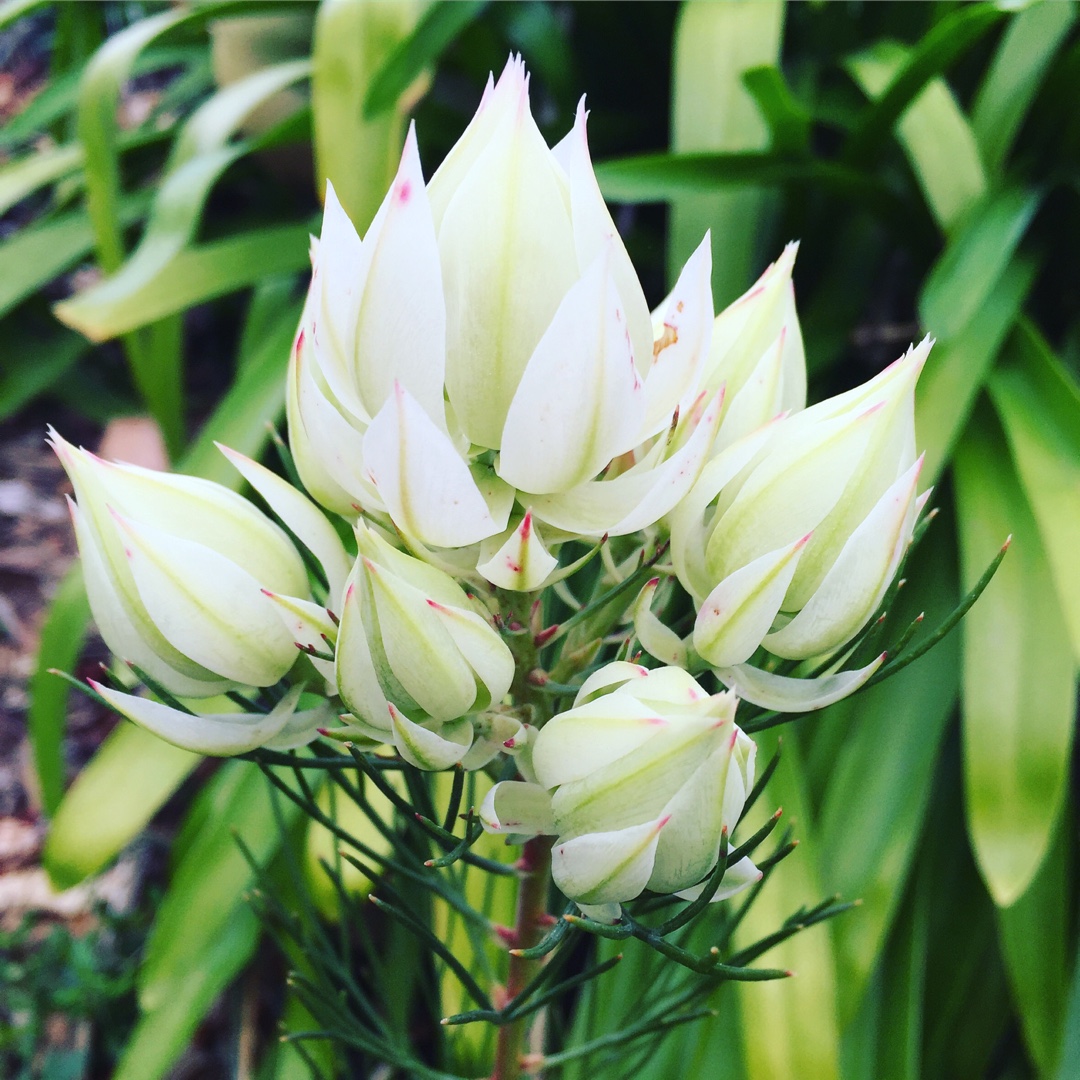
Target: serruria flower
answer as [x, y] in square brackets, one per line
[793, 534]
[640, 781]
[413, 657]
[177, 571]
[484, 359]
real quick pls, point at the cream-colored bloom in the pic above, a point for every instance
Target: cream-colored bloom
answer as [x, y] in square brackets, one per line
[639, 782]
[413, 658]
[481, 366]
[177, 571]
[793, 534]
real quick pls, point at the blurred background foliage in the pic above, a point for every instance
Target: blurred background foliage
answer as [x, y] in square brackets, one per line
[158, 191]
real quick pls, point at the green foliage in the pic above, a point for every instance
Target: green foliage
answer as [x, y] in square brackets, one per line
[926, 156]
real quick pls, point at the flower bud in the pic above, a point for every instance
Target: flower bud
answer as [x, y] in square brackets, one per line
[809, 524]
[640, 785]
[410, 645]
[177, 570]
[757, 354]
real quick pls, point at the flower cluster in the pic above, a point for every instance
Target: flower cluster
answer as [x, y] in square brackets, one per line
[479, 401]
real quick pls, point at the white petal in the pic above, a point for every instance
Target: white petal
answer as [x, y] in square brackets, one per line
[853, 588]
[430, 750]
[189, 508]
[508, 258]
[401, 327]
[521, 562]
[745, 329]
[689, 533]
[128, 630]
[357, 680]
[580, 402]
[606, 867]
[690, 844]
[307, 623]
[418, 648]
[483, 650]
[637, 498]
[297, 511]
[330, 315]
[217, 734]
[736, 878]
[577, 743]
[759, 398]
[738, 613]
[427, 488]
[679, 354]
[796, 484]
[516, 807]
[594, 230]
[784, 694]
[207, 607]
[302, 728]
[328, 450]
[656, 639]
[618, 672]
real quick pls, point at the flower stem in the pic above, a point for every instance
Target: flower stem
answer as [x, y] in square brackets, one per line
[535, 869]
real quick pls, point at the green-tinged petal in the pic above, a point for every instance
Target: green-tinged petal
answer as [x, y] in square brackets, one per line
[606, 867]
[519, 808]
[785, 694]
[216, 734]
[737, 614]
[517, 560]
[430, 750]
[656, 639]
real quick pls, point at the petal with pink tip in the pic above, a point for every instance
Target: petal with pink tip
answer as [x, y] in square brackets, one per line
[594, 229]
[739, 612]
[579, 403]
[680, 352]
[857, 581]
[215, 734]
[606, 867]
[521, 562]
[517, 807]
[427, 488]
[785, 694]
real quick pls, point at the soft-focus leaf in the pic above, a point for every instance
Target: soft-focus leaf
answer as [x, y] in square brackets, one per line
[61, 642]
[42, 251]
[934, 54]
[1018, 671]
[966, 1009]
[26, 175]
[974, 261]
[1070, 1051]
[254, 400]
[788, 121]
[711, 110]
[660, 177]
[126, 782]
[436, 30]
[34, 359]
[99, 98]
[1028, 45]
[873, 757]
[162, 1033]
[1038, 402]
[1033, 932]
[957, 368]
[799, 1014]
[194, 276]
[934, 132]
[208, 883]
[358, 153]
